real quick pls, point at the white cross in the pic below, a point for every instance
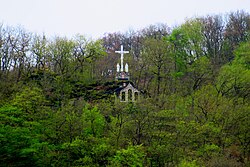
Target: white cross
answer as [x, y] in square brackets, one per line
[122, 52]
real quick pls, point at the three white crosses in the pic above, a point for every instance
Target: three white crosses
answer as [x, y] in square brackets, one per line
[126, 65]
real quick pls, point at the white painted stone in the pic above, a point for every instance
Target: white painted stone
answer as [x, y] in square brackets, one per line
[118, 67]
[126, 67]
[121, 52]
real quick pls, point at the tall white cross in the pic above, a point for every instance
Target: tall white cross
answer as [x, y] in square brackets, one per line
[122, 52]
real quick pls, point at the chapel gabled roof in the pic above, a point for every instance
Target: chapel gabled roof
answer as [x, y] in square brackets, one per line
[130, 86]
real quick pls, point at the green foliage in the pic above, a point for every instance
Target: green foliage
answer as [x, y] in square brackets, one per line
[234, 78]
[18, 135]
[185, 163]
[209, 150]
[89, 151]
[200, 72]
[56, 106]
[11, 116]
[243, 55]
[29, 99]
[93, 121]
[132, 156]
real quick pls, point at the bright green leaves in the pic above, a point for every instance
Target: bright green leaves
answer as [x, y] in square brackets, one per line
[187, 41]
[193, 31]
[243, 55]
[234, 78]
[30, 100]
[15, 142]
[17, 135]
[89, 151]
[10, 115]
[95, 50]
[186, 163]
[132, 156]
[93, 122]
[189, 63]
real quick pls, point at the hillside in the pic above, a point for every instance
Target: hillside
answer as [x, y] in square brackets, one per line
[57, 106]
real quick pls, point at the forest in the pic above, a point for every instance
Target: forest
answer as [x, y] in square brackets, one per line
[194, 78]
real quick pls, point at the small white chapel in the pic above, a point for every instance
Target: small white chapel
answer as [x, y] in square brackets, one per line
[126, 92]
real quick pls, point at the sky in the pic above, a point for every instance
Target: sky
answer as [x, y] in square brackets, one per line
[94, 18]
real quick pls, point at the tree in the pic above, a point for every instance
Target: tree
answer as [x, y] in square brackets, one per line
[39, 50]
[18, 136]
[132, 156]
[187, 47]
[213, 30]
[32, 102]
[60, 51]
[234, 79]
[156, 32]
[192, 31]
[200, 72]
[155, 55]
[236, 31]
